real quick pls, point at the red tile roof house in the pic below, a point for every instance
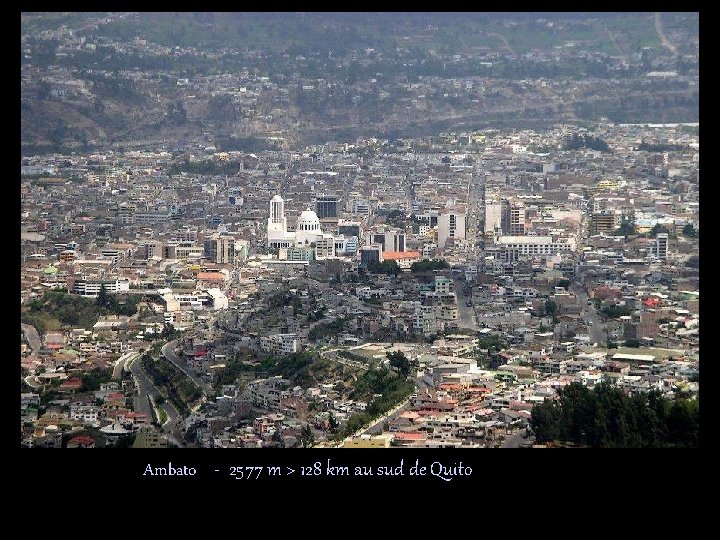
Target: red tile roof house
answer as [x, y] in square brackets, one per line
[81, 441]
[116, 414]
[115, 399]
[410, 438]
[71, 385]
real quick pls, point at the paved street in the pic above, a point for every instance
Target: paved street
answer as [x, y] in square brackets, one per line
[144, 386]
[168, 352]
[596, 331]
[466, 314]
[516, 439]
[141, 402]
[121, 362]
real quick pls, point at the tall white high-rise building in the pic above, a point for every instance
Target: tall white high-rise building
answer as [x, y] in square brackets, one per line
[451, 224]
[277, 233]
[493, 216]
[661, 246]
[398, 241]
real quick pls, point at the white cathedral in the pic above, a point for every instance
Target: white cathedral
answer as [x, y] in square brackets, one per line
[307, 231]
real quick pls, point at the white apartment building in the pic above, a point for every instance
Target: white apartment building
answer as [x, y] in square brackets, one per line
[451, 224]
[280, 343]
[516, 246]
[91, 287]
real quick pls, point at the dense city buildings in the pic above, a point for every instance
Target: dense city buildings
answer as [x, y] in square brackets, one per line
[277, 255]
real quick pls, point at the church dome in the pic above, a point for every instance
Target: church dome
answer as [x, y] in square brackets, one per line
[308, 221]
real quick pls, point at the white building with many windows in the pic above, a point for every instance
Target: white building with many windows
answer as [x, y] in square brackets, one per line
[91, 287]
[308, 232]
[280, 343]
[514, 247]
[450, 224]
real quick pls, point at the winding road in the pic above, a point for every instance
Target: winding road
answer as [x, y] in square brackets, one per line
[120, 363]
[505, 42]
[147, 394]
[663, 38]
[168, 351]
[617, 46]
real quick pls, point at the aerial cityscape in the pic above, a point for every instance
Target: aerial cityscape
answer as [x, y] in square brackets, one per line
[359, 230]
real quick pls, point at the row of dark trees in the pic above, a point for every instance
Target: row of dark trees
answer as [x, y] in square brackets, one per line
[614, 312]
[581, 140]
[390, 268]
[427, 265]
[663, 147]
[208, 167]
[605, 417]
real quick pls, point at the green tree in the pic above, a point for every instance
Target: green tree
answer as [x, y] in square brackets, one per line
[332, 423]
[634, 343]
[401, 363]
[277, 439]
[168, 331]
[545, 422]
[627, 227]
[582, 140]
[91, 380]
[551, 308]
[329, 329]
[657, 229]
[125, 441]
[395, 216]
[605, 417]
[296, 305]
[683, 423]
[613, 312]
[426, 265]
[355, 422]
[306, 437]
[689, 231]
[103, 298]
[386, 267]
